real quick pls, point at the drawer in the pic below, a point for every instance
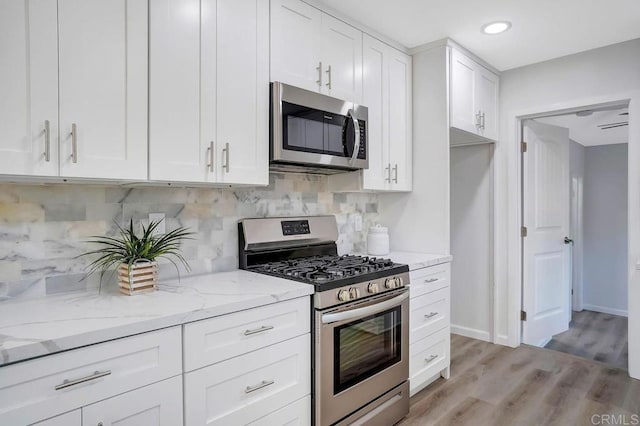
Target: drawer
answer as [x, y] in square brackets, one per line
[427, 357]
[245, 388]
[73, 418]
[159, 404]
[217, 339]
[294, 414]
[429, 279]
[36, 389]
[429, 313]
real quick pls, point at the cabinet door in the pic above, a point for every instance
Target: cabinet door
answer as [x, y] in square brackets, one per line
[178, 151]
[400, 119]
[375, 95]
[243, 91]
[295, 44]
[159, 404]
[72, 418]
[103, 88]
[464, 108]
[29, 87]
[342, 52]
[487, 95]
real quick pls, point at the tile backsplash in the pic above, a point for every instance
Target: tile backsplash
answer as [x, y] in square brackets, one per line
[43, 228]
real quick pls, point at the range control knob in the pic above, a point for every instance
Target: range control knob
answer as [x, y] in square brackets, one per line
[391, 283]
[354, 292]
[344, 296]
[373, 288]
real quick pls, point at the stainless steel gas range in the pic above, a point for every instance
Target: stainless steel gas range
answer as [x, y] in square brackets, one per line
[360, 317]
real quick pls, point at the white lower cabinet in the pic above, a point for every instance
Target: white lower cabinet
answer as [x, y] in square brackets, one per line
[73, 418]
[159, 404]
[245, 388]
[430, 325]
[294, 414]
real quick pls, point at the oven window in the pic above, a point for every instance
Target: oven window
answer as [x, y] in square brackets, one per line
[366, 347]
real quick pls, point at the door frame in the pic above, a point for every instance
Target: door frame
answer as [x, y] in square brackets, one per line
[512, 336]
[576, 231]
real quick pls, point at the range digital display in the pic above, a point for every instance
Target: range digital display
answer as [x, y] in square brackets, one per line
[295, 227]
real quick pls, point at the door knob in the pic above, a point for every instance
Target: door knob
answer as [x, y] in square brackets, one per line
[568, 240]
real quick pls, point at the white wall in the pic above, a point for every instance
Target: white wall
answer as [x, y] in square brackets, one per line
[605, 229]
[471, 241]
[601, 75]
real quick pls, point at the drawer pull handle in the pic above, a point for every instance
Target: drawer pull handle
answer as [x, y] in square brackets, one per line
[263, 384]
[430, 359]
[431, 315]
[68, 383]
[431, 280]
[258, 330]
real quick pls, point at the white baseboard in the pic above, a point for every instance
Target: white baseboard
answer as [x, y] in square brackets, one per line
[543, 342]
[605, 310]
[471, 332]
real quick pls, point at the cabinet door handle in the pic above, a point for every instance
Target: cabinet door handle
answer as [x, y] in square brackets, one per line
[478, 114]
[430, 359]
[211, 153]
[258, 330]
[388, 170]
[96, 375]
[319, 69]
[395, 173]
[262, 384]
[482, 121]
[47, 141]
[74, 143]
[225, 165]
[431, 280]
[430, 315]
[329, 77]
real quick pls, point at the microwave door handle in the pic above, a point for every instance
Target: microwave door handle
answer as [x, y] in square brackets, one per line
[356, 127]
[367, 310]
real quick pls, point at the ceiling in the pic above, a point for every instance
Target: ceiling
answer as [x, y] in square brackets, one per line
[542, 29]
[600, 128]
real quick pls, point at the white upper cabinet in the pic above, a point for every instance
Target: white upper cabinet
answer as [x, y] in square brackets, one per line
[29, 88]
[243, 91]
[177, 151]
[473, 97]
[209, 91]
[387, 94]
[314, 51]
[341, 60]
[296, 44]
[103, 88]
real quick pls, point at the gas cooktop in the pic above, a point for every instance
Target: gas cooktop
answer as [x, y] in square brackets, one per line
[330, 271]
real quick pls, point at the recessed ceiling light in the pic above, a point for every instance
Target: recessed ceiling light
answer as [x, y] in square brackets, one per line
[496, 27]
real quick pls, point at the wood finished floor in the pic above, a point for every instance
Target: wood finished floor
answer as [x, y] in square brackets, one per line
[597, 336]
[497, 385]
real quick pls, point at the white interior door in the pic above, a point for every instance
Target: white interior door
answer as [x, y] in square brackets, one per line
[103, 53]
[546, 258]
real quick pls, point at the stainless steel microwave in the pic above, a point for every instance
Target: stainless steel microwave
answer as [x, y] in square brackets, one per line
[316, 133]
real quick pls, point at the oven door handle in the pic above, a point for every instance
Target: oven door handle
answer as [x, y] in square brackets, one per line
[367, 310]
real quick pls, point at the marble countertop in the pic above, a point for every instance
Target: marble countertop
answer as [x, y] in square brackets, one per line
[418, 260]
[51, 324]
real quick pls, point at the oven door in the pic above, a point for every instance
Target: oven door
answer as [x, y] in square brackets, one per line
[361, 353]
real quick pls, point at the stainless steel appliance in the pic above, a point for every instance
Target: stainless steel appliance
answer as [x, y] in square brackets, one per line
[316, 133]
[360, 317]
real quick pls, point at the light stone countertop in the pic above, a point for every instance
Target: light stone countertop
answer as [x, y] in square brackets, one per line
[37, 327]
[416, 260]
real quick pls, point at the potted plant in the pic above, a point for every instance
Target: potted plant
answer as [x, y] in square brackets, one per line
[135, 257]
